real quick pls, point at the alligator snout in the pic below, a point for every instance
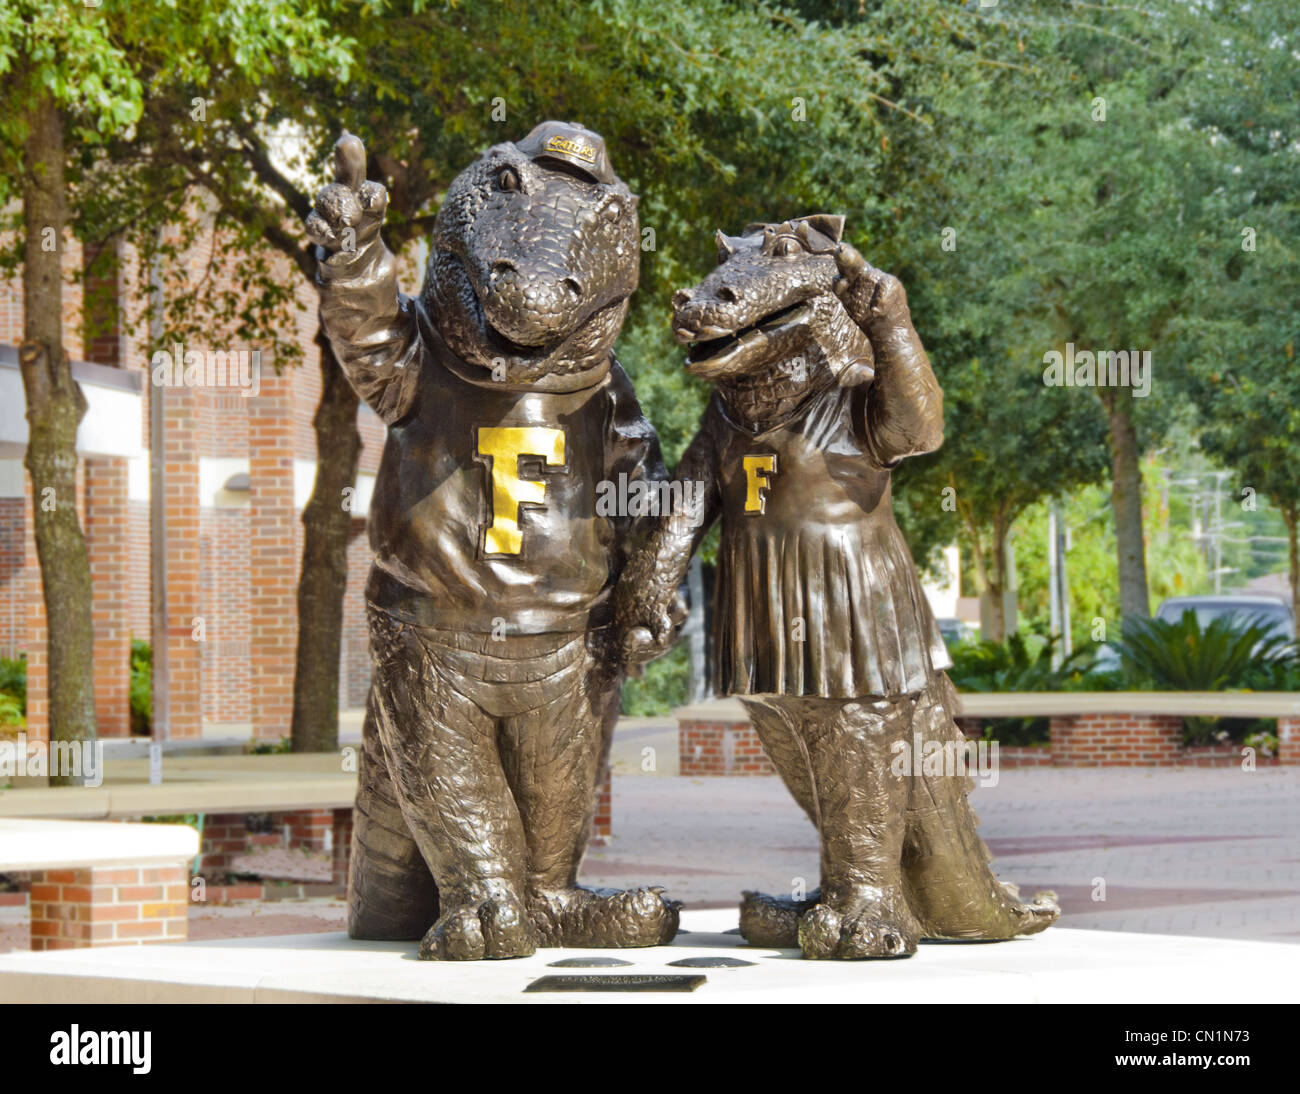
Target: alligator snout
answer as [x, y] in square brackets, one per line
[532, 306]
[701, 314]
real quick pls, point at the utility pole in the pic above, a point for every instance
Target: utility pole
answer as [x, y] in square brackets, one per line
[158, 508]
[1058, 581]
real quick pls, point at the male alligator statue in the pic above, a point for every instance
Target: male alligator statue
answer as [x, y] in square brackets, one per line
[496, 680]
[820, 622]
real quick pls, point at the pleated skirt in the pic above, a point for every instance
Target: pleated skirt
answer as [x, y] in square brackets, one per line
[831, 611]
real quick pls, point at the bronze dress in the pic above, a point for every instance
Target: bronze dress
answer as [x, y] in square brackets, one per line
[817, 594]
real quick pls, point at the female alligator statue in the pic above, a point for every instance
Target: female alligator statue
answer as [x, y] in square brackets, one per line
[821, 626]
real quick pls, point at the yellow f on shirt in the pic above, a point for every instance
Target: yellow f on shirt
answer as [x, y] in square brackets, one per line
[503, 446]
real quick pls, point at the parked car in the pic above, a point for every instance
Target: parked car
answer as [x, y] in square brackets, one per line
[1270, 612]
[955, 631]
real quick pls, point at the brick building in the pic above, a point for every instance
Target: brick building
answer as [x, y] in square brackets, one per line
[240, 465]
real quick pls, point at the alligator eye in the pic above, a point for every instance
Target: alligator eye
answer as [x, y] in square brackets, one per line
[784, 248]
[508, 179]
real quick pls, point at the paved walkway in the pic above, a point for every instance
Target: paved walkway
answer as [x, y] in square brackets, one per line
[1198, 851]
[1214, 853]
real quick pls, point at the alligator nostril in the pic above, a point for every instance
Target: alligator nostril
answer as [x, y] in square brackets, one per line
[728, 295]
[571, 283]
[681, 298]
[501, 266]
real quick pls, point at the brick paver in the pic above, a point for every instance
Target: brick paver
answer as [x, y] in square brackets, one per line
[1186, 851]
[1180, 851]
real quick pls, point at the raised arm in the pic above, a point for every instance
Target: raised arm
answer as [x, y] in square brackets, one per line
[631, 449]
[647, 612]
[905, 405]
[372, 327]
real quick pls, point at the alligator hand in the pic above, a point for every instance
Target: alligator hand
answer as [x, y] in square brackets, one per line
[350, 210]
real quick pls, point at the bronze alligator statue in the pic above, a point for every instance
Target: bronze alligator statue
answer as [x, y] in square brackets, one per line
[820, 622]
[496, 681]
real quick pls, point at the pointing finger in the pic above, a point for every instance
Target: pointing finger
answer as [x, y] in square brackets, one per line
[350, 161]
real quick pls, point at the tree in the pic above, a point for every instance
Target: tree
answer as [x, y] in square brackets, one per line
[1242, 328]
[706, 108]
[55, 74]
[68, 70]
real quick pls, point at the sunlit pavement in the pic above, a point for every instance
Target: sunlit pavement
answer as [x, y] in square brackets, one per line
[1203, 852]
[1196, 851]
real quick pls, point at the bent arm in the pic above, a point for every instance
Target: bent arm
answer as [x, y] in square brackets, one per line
[647, 591]
[905, 404]
[373, 327]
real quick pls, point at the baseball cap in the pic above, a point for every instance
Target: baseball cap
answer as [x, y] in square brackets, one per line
[572, 144]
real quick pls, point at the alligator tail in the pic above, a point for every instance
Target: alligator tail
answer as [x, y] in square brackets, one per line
[946, 872]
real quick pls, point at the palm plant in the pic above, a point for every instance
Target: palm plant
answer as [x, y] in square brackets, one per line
[1184, 656]
[1229, 653]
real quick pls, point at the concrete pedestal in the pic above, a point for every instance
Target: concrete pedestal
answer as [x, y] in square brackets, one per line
[1059, 966]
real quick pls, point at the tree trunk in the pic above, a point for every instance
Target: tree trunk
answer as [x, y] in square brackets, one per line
[55, 407]
[994, 606]
[323, 581]
[1126, 500]
[1291, 518]
[990, 566]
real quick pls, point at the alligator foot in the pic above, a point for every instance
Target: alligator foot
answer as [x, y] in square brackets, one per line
[866, 922]
[604, 918]
[773, 920]
[493, 928]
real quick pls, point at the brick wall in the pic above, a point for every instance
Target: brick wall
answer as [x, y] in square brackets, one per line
[354, 674]
[721, 748]
[38, 709]
[13, 579]
[108, 537]
[139, 610]
[184, 559]
[273, 556]
[212, 680]
[226, 660]
[108, 906]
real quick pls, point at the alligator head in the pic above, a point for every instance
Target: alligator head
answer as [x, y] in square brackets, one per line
[536, 250]
[767, 325]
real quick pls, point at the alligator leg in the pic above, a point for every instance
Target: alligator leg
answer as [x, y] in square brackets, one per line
[857, 802]
[442, 756]
[391, 894]
[946, 870]
[765, 919]
[554, 757]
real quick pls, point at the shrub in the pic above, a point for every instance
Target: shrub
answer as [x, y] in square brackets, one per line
[665, 685]
[13, 679]
[1225, 655]
[1012, 666]
[141, 687]
[1184, 656]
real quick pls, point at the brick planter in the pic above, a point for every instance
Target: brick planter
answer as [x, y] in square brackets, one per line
[108, 906]
[721, 748]
[226, 836]
[728, 745]
[1117, 740]
[603, 824]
